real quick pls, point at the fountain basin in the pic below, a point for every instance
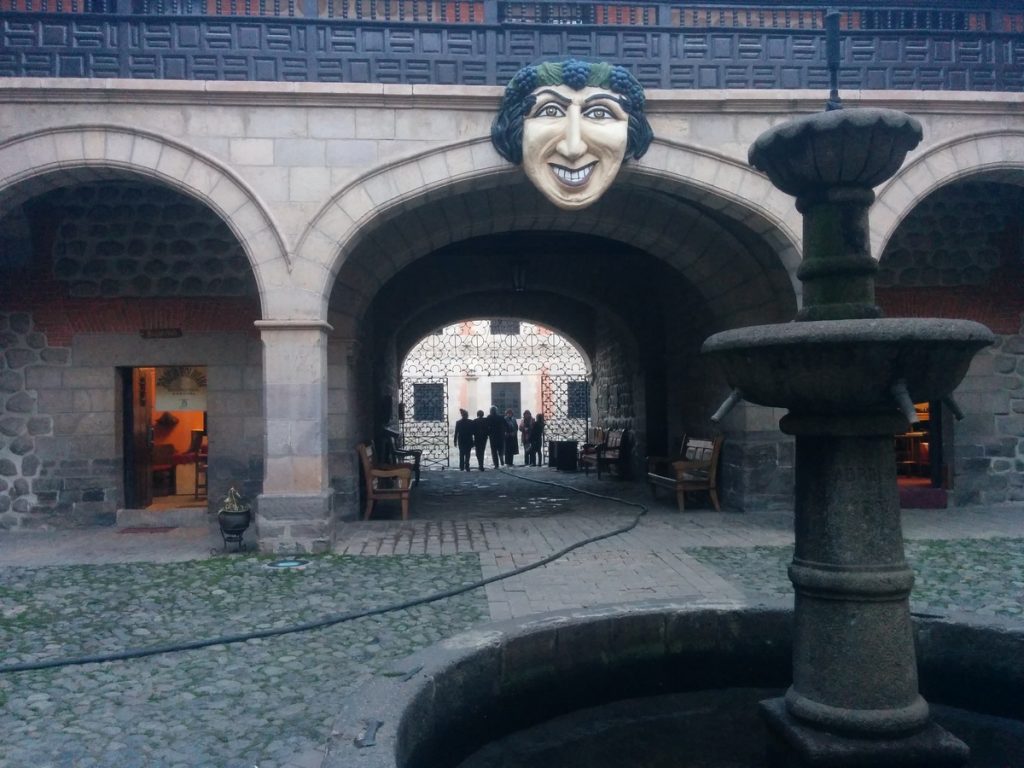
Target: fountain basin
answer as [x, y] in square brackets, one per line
[858, 148]
[844, 366]
[447, 703]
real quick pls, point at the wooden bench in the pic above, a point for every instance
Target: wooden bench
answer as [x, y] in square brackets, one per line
[385, 482]
[613, 453]
[697, 471]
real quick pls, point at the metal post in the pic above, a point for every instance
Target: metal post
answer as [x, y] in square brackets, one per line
[832, 53]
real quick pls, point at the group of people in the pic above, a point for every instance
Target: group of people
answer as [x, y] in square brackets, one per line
[504, 434]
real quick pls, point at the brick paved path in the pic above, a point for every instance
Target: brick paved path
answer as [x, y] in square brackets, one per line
[511, 519]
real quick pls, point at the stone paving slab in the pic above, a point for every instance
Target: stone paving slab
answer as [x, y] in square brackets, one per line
[269, 703]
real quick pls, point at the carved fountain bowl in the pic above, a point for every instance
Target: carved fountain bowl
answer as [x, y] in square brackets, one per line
[845, 148]
[836, 366]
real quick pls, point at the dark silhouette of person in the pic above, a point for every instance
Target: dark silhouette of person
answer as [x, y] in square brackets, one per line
[496, 434]
[480, 437]
[525, 426]
[464, 438]
[536, 440]
[511, 437]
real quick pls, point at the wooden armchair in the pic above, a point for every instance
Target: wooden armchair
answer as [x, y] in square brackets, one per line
[385, 482]
[613, 453]
[163, 468]
[697, 472]
[398, 454]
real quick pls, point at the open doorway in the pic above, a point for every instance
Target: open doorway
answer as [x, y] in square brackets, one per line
[923, 477]
[165, 445]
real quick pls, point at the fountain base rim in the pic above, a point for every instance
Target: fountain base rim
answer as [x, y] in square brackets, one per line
[794, 744]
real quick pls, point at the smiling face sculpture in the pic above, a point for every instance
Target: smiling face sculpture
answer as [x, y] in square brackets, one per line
[571, 124]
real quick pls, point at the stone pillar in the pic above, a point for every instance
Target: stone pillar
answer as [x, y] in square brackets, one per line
[294, 512]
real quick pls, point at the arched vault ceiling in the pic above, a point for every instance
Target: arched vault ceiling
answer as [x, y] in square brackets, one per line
[738, 276]
[629, 288]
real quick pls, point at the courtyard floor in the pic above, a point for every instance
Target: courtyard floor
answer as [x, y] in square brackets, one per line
[270, 702]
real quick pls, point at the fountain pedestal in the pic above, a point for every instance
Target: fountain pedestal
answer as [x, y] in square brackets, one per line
[854, 698]
[849, 379]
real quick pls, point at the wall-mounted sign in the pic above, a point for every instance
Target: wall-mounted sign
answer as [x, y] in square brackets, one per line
[181, 388]
[160, 333]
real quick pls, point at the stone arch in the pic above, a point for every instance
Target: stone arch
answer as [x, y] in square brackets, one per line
[998, 155]
[715, 181]
[37, 162]
[476, 306]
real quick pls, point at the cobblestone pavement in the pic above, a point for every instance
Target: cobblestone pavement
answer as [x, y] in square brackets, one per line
[269, 702]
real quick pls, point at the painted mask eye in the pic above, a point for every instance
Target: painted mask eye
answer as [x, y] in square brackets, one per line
[551, 109]
[599, 113]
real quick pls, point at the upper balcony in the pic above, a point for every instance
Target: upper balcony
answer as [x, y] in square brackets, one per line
[972, 45]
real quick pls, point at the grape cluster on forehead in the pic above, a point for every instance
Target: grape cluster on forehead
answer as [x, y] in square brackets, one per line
[577, 75]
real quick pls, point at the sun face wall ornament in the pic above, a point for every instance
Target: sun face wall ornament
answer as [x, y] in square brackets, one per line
[571, 124]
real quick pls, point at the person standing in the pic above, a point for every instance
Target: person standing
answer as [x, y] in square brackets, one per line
[464, 438]
[511, 437]
[480, 437]
[496, 434]
[536, 439]
[524, 427]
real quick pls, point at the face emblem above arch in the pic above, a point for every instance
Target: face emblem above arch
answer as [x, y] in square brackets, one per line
[571, 124]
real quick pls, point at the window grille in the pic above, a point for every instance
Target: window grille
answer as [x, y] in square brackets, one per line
[428, 402]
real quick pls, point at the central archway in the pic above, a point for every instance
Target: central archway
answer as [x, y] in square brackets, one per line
[503, 362]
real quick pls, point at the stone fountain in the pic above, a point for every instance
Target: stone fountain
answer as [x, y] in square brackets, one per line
[849, 379]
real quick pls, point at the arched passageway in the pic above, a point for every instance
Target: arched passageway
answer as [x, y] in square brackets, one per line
[132, 362]
[959, 253]
[638, 282]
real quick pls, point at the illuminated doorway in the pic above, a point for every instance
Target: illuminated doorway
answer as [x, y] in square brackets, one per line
[165, 448]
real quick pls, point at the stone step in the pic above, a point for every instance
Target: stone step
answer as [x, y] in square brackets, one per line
[181, 517]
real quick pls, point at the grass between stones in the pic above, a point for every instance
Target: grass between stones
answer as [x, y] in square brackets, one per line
[253, 703]
[984, 577]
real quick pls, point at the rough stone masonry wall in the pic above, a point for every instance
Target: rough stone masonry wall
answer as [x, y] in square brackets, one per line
[124, 239]
[35, 487]
[616, 391]
[958, 236]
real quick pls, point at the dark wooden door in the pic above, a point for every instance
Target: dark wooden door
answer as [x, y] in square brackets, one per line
[139, 390]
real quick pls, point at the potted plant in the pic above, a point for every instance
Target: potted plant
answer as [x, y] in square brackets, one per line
[234, 516]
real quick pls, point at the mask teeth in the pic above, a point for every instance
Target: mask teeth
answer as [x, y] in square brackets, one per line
[577, 176]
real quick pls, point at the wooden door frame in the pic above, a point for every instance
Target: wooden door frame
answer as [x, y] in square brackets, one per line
[138, 475]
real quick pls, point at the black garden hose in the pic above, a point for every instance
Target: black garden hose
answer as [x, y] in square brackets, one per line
[328, 621]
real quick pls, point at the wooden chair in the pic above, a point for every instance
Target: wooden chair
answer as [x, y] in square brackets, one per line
[398, 454]
[385, 482]
[163, 467]
[697, 472]
[613, 453]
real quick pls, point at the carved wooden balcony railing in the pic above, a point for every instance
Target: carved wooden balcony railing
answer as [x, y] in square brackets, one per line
[937, 45]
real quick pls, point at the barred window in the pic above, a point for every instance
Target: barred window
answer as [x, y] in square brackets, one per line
[505, 395]
[504, 327]
[578, 406]
[428, 402]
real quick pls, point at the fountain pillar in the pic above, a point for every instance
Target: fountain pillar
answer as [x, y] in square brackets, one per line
[854, 699]
[849, 378]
